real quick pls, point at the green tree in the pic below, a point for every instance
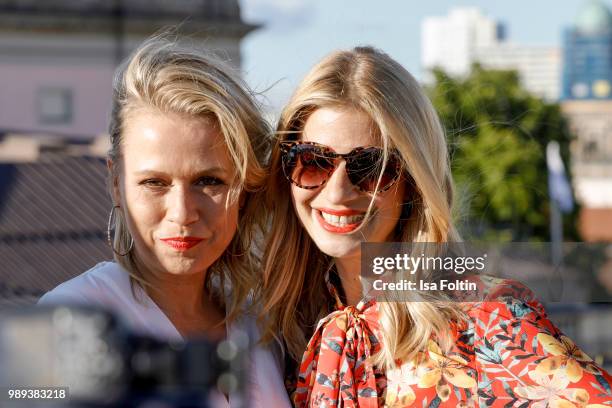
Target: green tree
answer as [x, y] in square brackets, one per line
[497, 134]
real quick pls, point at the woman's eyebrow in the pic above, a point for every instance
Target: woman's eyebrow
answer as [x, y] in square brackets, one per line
[212, 170]
[200, 172]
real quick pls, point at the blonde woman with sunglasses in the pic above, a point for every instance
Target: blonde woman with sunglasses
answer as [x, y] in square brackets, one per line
[361, 157]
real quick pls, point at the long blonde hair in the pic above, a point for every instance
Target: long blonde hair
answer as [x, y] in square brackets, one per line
[293, 289]
[162, 75]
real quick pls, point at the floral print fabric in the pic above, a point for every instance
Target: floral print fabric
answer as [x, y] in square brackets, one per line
[335, 369]
[508, 354]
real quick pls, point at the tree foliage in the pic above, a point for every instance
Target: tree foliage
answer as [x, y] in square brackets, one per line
[497, 134]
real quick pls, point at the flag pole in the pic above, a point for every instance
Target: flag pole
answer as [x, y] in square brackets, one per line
[556, 233]
[560, 199]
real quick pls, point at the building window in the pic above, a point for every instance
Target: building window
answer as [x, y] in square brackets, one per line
[55, 105]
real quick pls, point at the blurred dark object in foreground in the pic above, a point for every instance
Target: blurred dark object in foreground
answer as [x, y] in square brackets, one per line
[91, 353]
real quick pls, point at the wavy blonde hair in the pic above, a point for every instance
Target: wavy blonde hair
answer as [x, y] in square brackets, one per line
[167, 77]
[293, 288]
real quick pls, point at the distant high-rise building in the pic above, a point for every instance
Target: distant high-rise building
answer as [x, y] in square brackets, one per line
[587, 56]
[454, 42]
[450, 42]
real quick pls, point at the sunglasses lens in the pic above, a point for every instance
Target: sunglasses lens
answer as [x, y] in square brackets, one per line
[365, 167]
[307, 165]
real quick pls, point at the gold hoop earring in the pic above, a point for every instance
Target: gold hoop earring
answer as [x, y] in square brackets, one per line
[109, 234]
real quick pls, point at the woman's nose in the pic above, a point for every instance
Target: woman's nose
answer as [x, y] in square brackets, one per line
[339, 189]
[182, 206]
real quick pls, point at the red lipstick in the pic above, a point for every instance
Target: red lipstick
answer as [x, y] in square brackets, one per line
[182, 243]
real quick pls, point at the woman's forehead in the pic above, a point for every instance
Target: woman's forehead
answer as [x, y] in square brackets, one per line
[341, 128]
[169, 141]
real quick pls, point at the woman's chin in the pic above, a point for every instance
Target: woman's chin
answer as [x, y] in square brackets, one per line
[340, 247]
[183, 267]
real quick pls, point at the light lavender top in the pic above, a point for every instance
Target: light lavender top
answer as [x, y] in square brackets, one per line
[108, 285]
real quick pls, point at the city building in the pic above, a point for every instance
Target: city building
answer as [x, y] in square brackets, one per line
[591, 122]
[451, 42]
[539, 67]
[587, 67]
[466, 36]
[587, 103]
[57, 58]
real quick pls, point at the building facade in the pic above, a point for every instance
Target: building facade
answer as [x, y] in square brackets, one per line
[587, 103]
[466, 36]
[591, 122]
[451, 42]
[57, 58]
[539, 67]
[587, 55]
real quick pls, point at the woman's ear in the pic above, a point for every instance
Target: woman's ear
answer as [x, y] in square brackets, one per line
[114, 181]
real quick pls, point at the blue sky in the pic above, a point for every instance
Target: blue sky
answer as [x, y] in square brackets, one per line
[297, 33]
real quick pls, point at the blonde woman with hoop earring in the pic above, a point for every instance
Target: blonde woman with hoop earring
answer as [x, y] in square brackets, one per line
[185, 168]
[361, 157]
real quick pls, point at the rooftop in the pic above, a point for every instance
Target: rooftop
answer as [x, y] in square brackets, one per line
[132, 15]
[53, 216]
[211, 9]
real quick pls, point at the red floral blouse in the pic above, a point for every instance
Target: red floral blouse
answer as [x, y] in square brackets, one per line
[507, 355]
